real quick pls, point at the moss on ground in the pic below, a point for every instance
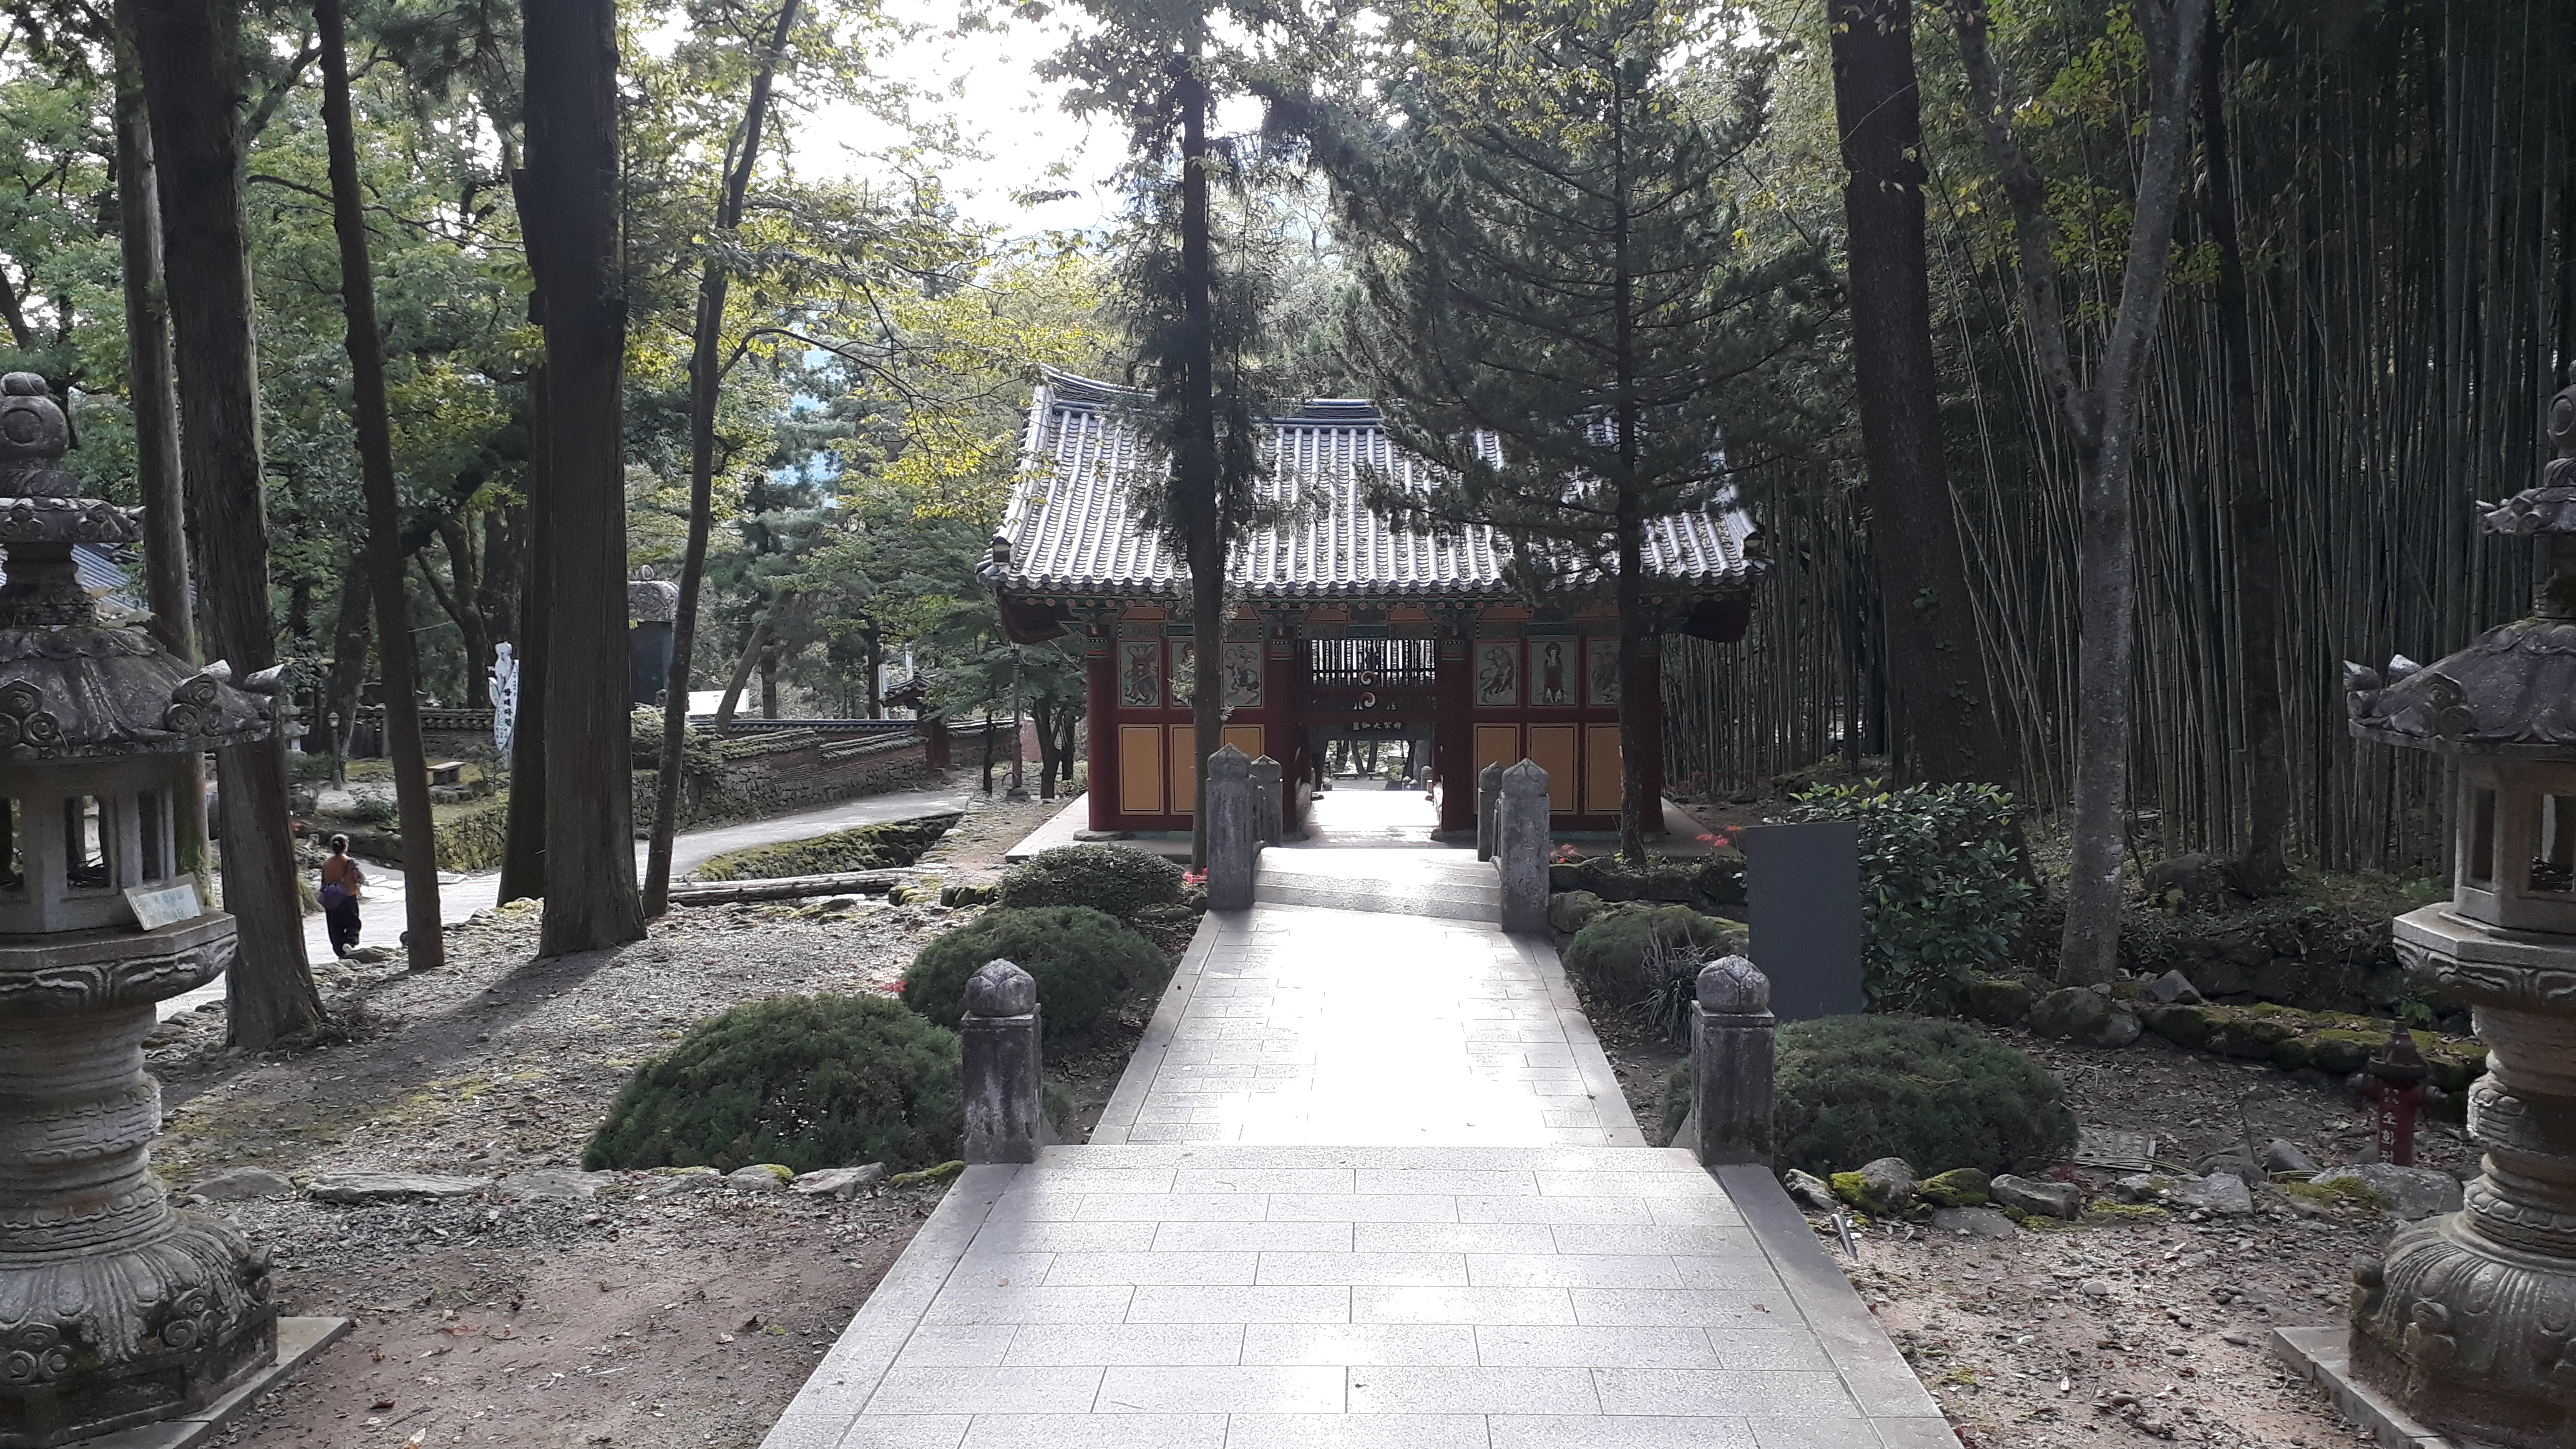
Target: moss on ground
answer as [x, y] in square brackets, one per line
[889, 846]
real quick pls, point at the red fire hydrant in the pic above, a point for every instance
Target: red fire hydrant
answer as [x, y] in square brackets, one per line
[2394, 1080]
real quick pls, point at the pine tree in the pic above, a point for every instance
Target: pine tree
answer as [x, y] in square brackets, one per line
[1553, 254]
[1193, 309]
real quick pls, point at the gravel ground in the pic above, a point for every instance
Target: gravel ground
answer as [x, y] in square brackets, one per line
[2154, 1331]
[2130, 1332]
[638, 1316]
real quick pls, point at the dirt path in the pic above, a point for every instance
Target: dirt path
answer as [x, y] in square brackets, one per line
[637, 1315]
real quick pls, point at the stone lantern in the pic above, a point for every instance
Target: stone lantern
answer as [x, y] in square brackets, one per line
[115, 1309]
[2470, 1320]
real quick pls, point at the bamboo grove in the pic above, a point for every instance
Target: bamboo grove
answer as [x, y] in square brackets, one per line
[2402, 174]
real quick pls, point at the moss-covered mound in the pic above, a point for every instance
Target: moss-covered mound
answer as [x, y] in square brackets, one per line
[2331, 1042]
[1609, 958]
[1104, 877]
[808, 1081]
[1083, 961]
[1852, 1089]
[869, 847]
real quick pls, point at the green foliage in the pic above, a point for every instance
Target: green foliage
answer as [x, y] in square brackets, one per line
[867, 847]
[1104, 877]
[1852, 1089]
[1940, 896]
[1083, 962]
[1616, 958]
[808, 1081]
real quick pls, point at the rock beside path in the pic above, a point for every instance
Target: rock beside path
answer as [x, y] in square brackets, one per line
[2048, 1199]
[369, 1187]
[1882, 1188]
[2412, 1192]
[838, 1181]
[1809, 1191]
[1976, 1222]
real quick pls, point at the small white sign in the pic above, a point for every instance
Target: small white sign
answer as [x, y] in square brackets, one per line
[167, 906]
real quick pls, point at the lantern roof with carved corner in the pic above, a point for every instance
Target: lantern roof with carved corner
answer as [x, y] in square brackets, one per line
[71, 685]
[2512, 692]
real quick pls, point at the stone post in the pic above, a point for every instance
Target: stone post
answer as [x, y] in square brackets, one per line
[1489, 789]
[1731, 1027]
[1232, 842]
[1520, 846]
[1001, 1069]
[1267, 812]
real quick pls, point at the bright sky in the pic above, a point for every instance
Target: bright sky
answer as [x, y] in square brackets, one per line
[986, 81]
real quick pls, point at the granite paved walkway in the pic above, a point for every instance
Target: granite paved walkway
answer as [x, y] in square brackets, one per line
[1368, 1181]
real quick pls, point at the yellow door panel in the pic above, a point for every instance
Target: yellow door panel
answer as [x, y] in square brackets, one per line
[1601, 769]
[1551, 747]
[1140, 769]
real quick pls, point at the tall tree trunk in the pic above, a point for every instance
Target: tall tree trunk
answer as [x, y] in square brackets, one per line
[423, 941]
[769, 680]
[348, 649]
[153, 395]
[1195, 477]
[2256, 546]
[523, 852]
[875, 657]
[190, 53]
[1043, 716]
[1931, 628]
[705, 378]
[2102, 418]
[742, 668]
[572, 234]
[496, 584]
[466, 605]
[150, 388]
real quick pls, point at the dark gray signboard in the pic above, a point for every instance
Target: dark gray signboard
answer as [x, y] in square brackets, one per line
[1802, 887]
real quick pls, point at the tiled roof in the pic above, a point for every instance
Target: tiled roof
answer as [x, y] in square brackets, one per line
[1072, 528]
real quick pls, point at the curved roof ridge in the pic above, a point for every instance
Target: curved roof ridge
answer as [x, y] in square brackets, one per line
[1073, 390]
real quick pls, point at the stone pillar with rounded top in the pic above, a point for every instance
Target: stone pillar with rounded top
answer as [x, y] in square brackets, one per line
[1489, 793]
[116, 1310]
[1520, 846]
[2469, 1321]
[1268, 811]
[1731, 1065]
[1232, 843]
[1001, 1070]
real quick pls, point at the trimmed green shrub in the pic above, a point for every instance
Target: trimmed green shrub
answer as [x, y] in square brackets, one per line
[808, 1081]
[1852, 1089]
[1940, 886]
[1083, 961]
[867, 847]
[1104, 877]
[1613, 958]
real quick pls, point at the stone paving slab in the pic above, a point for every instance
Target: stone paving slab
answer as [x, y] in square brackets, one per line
[1335, 1202]
[1291, 1024]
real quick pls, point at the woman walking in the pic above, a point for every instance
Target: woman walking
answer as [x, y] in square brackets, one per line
[341, 880]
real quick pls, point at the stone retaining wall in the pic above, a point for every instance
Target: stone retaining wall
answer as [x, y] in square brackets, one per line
[782, 771]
